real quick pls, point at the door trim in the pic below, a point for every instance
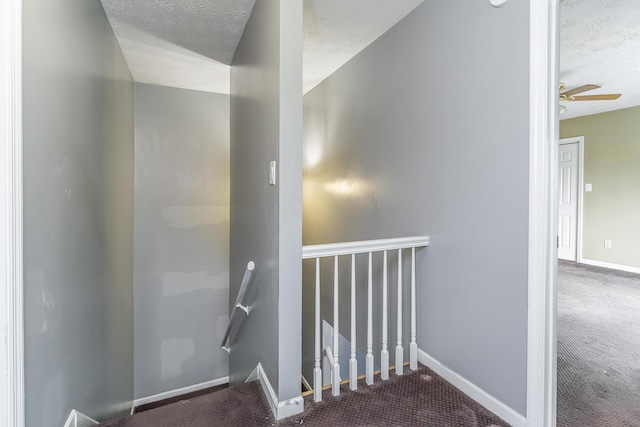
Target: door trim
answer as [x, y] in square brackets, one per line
[11, 255]
[543, 213]
[580, 141]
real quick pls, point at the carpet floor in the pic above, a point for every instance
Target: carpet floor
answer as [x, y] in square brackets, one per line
[598, 347]
[419, 398]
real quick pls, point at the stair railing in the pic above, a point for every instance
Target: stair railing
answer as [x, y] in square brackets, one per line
[238, 305]
[352, 248]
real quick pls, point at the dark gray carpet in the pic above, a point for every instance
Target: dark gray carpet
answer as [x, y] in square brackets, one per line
[235, 406]
[598, 347]
[421, 398]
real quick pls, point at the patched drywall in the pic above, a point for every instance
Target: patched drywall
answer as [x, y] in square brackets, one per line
[78, 214]
[181, 237]
[266, 220]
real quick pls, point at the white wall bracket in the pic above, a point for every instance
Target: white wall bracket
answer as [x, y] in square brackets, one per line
[244, 308]
[498, 3]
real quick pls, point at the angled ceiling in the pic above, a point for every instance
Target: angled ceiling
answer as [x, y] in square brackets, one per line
[181, 43]
[190, 43]
[336, 30]
[600, 44]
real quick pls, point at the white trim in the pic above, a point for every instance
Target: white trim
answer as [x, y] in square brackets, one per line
[473, 391]
[269, 393]
[580, 197]
[253, 376]
[11, 274]
[543, 191]
[363, 246]
[78, 419]
[71, 419]
[179, 391]
[580, 141]
[610, 265]
[84, 421]
[280, 410]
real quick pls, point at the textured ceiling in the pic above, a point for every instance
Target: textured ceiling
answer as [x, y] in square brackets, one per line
[181, 43]
[190, 43]
[600, 44]
[336, 30]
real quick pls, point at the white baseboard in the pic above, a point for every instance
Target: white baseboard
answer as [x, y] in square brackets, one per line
[253, 376]
[280, 410]
[78, 419]
[609, 265]
[71, 421]
[83, 421]
[179, 391]
[473, 391]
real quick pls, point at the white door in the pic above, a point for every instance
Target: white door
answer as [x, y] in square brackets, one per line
[568, 204]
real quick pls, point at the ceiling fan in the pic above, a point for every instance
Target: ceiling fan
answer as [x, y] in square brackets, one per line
[572, 95]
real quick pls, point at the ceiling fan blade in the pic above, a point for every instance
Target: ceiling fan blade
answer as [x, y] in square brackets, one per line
[578, 90]
[607, 97]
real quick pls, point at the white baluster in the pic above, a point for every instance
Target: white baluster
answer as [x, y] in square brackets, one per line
[384, 354]
[353, 362]
[369, 360]
[317, 371]
[399, 350]
[413, 346]
[335, 373]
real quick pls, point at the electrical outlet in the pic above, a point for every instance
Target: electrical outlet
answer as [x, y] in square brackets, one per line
[607, 244]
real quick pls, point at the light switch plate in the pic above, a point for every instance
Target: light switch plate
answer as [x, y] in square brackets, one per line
[588, 187]
[272, 172]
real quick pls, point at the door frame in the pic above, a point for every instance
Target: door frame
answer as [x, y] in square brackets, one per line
[543, 213]
[580, 141]
[11, 237]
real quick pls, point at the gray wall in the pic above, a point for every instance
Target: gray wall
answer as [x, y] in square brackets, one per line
[418, 135]
[612, 165]
[78, 214]
[181, 237]
[266, 225]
